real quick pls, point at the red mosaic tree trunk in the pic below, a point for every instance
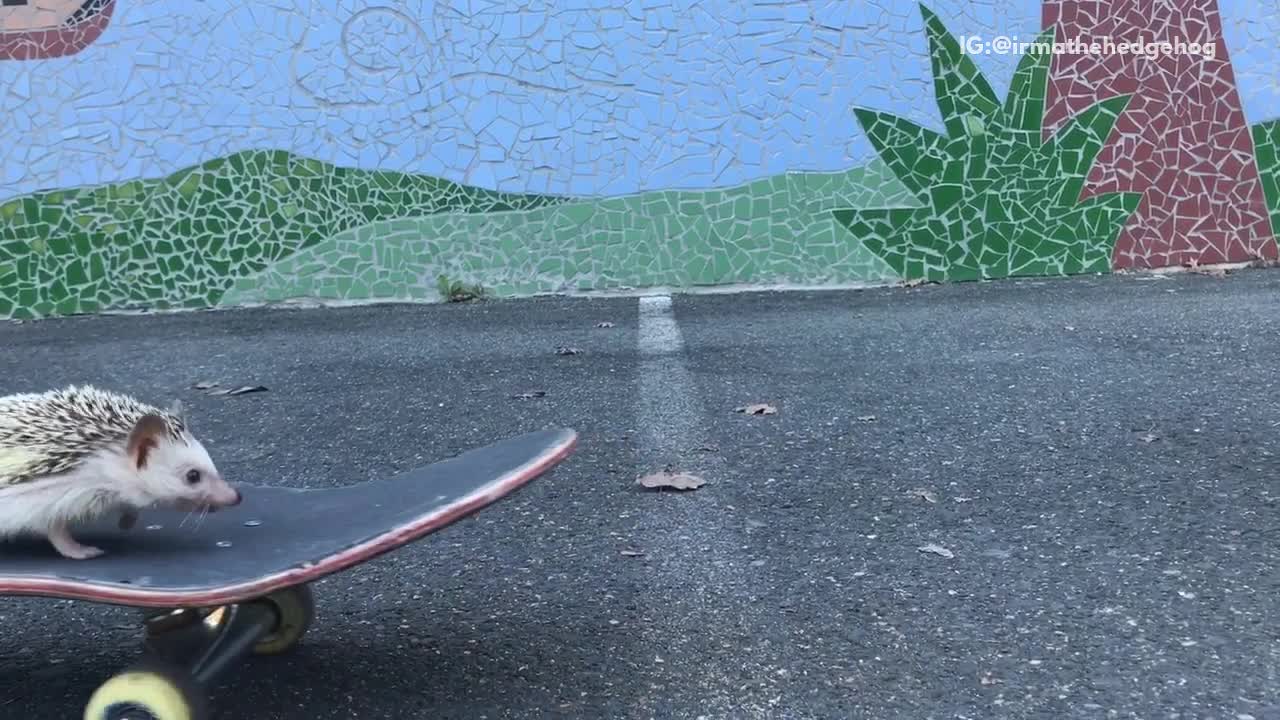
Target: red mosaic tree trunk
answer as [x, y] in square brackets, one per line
[1183, 141]
[76, 35]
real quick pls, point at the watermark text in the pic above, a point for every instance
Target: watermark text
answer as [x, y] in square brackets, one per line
[1006, 45]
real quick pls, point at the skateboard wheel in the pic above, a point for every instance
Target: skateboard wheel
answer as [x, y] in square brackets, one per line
[147, 692]
[295, 608]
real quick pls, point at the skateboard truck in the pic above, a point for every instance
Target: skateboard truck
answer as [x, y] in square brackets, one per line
[189, 648]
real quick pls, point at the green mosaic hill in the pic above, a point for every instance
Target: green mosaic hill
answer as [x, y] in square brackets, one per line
[183, 240]
[774, 230]
[267, 225]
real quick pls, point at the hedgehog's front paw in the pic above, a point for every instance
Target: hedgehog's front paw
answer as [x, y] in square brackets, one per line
[80, 552]
[67, 546]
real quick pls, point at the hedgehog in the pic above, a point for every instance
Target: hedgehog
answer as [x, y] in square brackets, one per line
[80, 453]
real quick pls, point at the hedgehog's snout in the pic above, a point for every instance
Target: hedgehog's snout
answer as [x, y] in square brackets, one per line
[228, 497]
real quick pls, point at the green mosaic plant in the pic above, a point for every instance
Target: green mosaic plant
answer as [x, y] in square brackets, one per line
[458, 291]
[998, 200]
[1266, 148]
[183, 240]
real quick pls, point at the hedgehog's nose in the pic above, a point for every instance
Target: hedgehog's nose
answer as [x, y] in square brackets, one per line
[239, 497]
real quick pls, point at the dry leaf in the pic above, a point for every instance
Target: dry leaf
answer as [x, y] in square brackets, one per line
[989, 679]
[1195, 267]
[605, 324]
[757, 409]
[631, 553]
[1149, 437]
[564, 350]
[936, 550]
[675, 481]
[530, 395]
[924, 494]
[243, 390]
[866, 418]
[205, 385]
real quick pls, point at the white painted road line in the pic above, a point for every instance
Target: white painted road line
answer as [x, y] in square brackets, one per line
[659, 333]
[669, 414]
[685, 534]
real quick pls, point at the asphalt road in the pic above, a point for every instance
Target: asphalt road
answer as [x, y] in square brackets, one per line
[1098, 456]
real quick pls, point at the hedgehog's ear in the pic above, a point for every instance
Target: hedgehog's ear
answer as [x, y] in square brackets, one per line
[144, 438]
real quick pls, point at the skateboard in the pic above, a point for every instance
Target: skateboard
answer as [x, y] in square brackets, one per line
[238, 585]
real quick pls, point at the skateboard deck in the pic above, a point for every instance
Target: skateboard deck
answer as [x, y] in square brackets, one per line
[277, 537]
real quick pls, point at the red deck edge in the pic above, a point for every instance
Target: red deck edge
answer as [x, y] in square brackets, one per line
[230, 594]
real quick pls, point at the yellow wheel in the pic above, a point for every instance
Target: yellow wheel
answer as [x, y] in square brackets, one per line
[295, 608]
[147, 692]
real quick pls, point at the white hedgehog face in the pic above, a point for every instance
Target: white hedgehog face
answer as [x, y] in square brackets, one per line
[177, 473]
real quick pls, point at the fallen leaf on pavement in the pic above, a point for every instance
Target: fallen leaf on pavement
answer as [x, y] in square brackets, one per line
[757, 409]
[866, 418]
[675, 481]
[631, 553]
[530, 395]
[565, 350]
[1149, 437]
[936, 550]
[205, 385]
[923, 494]
[1195, 267]
[243, 390]
[605, 324]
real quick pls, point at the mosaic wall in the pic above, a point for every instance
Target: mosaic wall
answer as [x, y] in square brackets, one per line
[1183, 141]
[160, 154]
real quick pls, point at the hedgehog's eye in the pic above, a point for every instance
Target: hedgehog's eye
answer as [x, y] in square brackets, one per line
[193, 477]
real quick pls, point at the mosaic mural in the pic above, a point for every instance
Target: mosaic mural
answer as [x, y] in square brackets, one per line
[182, 240]
[201, 155]
[1001, 201]
[34, 29]
[1266, 141]
[1183, 140]
[781, 228]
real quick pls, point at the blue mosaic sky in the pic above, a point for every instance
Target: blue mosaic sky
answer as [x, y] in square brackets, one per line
[583, 99]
